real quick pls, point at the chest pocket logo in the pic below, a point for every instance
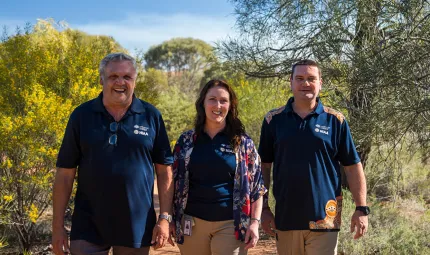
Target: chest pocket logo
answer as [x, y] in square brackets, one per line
[321, 129]
[141, 130]
[226, 148]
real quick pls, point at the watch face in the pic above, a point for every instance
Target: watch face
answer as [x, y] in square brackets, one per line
[166, 217]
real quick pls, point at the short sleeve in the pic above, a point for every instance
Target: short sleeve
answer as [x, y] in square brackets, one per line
[162, 153]
[266, 147]
[347, 153]
[70, 153]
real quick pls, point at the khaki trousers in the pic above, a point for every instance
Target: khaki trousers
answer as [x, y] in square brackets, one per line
[301, 242]
[212, 238]
[82, 247]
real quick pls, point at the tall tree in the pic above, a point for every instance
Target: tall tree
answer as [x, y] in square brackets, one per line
[179, 54]
[375, 58]
[184, 60]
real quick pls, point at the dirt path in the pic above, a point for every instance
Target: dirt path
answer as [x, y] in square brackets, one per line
[266, 246]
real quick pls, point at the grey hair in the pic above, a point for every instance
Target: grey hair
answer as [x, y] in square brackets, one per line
[118, 56]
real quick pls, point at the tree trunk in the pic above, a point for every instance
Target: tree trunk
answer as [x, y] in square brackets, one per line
[360, 107]
[361, 97]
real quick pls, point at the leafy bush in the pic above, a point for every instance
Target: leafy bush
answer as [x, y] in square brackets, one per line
[394, 228]
[178, 111]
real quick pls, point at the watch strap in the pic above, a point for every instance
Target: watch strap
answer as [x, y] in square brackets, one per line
[363, 209]
[167, 217]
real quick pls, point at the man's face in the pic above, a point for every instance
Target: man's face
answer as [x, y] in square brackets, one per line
[119, 81]
[305, 83]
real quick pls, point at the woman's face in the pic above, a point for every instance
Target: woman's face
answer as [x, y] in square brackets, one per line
[217, 105]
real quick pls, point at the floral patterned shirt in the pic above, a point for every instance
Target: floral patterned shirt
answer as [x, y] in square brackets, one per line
[248, 182]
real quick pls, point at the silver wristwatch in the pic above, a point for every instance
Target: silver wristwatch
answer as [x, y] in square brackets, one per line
[167, 217]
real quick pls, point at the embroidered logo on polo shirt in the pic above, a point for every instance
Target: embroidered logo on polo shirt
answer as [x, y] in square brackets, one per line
[141, 130]
[321, 129]
[226, 148]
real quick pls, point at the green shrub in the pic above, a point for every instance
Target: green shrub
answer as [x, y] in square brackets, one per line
[394, 228]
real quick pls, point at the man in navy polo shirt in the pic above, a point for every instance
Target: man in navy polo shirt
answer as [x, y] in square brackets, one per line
[114, 142]
[307, 142]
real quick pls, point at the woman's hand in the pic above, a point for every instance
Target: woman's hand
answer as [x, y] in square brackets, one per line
[251, 237]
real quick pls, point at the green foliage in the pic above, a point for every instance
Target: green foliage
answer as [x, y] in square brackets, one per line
[221, 71]
[29, 151]
[183, 59]
[149, 84]
[375, 58]
[256, 98]
[178, 111]
[155, 78]
[394, 228]
[397, 174]
[5, 210]
[179, 54]
[65, 62]
[3, 242]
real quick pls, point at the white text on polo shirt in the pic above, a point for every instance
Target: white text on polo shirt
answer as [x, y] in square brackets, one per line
[226, 148]
[141, 130]
[321, 129]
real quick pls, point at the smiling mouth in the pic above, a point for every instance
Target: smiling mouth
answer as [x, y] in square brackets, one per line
[216, 113]
[119, 90]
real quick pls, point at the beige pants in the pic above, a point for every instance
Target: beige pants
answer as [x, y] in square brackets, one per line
[300, 242]
[212, 238]
[82, 247]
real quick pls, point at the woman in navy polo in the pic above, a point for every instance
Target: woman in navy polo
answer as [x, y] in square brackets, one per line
[218, 181]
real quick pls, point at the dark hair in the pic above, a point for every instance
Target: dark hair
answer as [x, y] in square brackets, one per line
[234, 127]
[306, 62]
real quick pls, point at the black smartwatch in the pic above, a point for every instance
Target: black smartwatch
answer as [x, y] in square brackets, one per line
[364, 209]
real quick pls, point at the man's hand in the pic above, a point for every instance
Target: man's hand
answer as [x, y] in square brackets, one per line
[359, 223]
[60, 243]
[251, 236]
[160, 234]
[63, 186]
[268, 221]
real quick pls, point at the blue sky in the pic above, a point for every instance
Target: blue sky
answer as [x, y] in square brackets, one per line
[135, 24]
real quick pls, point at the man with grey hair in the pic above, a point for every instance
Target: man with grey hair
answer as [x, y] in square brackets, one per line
[114, 142]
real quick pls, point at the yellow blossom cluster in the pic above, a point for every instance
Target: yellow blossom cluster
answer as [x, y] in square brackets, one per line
[7, 198]
[33, 213]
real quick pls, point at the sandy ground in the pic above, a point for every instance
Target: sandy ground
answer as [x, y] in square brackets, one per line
[266, 247]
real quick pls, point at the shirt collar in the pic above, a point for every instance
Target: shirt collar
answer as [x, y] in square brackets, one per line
[222, 133]
[318, 110]
[136, 105]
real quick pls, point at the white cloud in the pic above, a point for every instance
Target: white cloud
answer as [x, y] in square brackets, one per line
[142, 31]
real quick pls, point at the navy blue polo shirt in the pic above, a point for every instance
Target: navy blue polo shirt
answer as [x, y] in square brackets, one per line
[212, 168]
[306, 173]
[113, 203]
